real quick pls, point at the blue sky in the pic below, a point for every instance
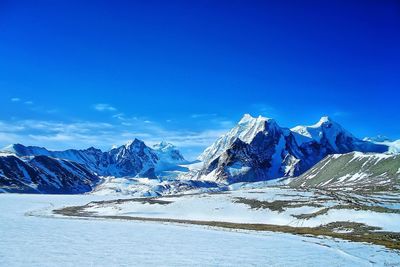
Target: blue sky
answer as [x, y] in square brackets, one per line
[83, 73]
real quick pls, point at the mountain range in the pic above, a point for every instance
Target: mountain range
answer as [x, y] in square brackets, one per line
[256, 149]
[36, 169]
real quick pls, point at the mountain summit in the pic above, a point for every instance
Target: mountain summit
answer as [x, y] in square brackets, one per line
[246, 130]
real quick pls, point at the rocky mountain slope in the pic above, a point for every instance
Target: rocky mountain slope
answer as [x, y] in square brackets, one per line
[36, 169]
[353, 171]
[259, 149]
[43, 174]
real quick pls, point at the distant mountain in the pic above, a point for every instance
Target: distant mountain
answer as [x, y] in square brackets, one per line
[259, 149]
[394, 146]
[43, 174]
[168, 153]
[131, 159]
[93, 159]
[36, 169]
[377, 139]
[353, 171]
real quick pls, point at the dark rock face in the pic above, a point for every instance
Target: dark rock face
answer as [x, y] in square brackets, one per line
[132, 159]
[43, 174]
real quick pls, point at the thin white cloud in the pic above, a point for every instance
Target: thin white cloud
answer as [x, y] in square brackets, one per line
[202, 115]
[47, 138]
[263, 109]
[341, 114]
[104, 107]
[15, 99]
[28, 102]
[8, 138]
[120, 116]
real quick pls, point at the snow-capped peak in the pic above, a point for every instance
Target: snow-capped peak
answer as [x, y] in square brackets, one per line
[168, 153]
[163, 145]
[134, 143]
[325, 127]
[9, 149]
[324, 119]
[247, 128]
[21, 150]
[129, 143]
[247, 119]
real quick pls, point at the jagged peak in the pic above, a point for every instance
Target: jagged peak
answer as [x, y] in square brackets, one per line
[93, 149]
[246, 130]
[9, 148]
[133, 143]
[163, 145]
[21, 149]
[324, 119]
[13, 146]
[248, 118]
[255, 124]
[325, 127]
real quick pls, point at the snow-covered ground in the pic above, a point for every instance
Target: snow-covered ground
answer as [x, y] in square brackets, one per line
[230, 207]
[144, 187]
[27, 239]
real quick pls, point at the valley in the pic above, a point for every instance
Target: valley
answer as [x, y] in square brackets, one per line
[358, 217]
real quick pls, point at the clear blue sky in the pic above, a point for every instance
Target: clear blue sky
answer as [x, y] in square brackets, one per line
[82, 73]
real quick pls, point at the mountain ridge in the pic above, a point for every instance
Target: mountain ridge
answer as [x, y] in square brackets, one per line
[131, 159]
[270, 151]
[84, 167]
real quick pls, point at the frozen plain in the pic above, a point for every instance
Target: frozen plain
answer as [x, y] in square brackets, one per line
[27, 240]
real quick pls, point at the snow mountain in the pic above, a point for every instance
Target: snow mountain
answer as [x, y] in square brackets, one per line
[37, 169]
[91, 158]
[259, 149]
[168, 153]
[44, 174]
[256, 149]
[377, 139]
[131, 159]
[394, 146]
[134, 158]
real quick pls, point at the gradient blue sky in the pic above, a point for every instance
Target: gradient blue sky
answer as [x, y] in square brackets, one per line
[83, 73]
